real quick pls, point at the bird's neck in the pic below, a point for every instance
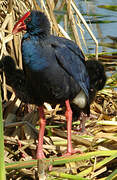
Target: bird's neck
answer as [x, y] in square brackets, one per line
[37, 35]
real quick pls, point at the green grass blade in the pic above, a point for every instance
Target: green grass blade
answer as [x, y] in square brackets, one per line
[112, 176]
[60, 160]
[67, 176]
[2, 163]
[21, 164]
[98, 165]
[80, 157]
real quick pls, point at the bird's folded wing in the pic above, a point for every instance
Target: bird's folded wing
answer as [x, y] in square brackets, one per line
[73, 65]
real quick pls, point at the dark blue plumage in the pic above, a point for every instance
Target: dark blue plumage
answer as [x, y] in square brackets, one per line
[16, 79]
[58, 65]
[54, 70]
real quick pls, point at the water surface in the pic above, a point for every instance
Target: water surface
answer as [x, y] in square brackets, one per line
[102, 21]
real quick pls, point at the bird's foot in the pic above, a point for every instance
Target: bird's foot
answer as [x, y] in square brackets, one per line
[40, 155]
[81, 132]
[20, 146]
[73, 151]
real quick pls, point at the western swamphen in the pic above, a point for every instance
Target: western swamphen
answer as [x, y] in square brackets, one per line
[17, 80]
[97, 80]
[54, 71]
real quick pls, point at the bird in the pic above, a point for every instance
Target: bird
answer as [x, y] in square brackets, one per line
[54, 71]
[97, 78]
[16, 79]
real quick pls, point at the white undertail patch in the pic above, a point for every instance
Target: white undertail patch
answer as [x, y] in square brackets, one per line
[80, 100]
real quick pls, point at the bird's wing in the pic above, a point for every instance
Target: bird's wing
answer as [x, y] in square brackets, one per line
[71, 45]
[73, 64]
[32, 56]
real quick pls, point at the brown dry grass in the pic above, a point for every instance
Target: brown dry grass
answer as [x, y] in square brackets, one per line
[20, 131]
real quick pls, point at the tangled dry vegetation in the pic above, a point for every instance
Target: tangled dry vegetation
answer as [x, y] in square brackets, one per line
[20, 126]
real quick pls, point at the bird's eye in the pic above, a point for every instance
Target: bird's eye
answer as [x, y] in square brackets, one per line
[28, 20]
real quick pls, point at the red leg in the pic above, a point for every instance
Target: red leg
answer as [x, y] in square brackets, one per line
[40, 154]
[20, 145]
[83, 117]
[68, 115]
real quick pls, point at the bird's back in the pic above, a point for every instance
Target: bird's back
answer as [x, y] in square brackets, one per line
[50, 78]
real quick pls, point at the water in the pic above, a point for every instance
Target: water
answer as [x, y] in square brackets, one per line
[103, 23]
[96, 14]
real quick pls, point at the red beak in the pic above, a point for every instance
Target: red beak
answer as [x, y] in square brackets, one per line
[20, 25]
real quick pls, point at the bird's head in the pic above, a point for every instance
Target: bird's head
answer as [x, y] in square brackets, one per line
[97, 77]
[7, 64]
[97, 74]
[34, 22]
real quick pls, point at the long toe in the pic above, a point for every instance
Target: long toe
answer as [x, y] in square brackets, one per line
[72, 152]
